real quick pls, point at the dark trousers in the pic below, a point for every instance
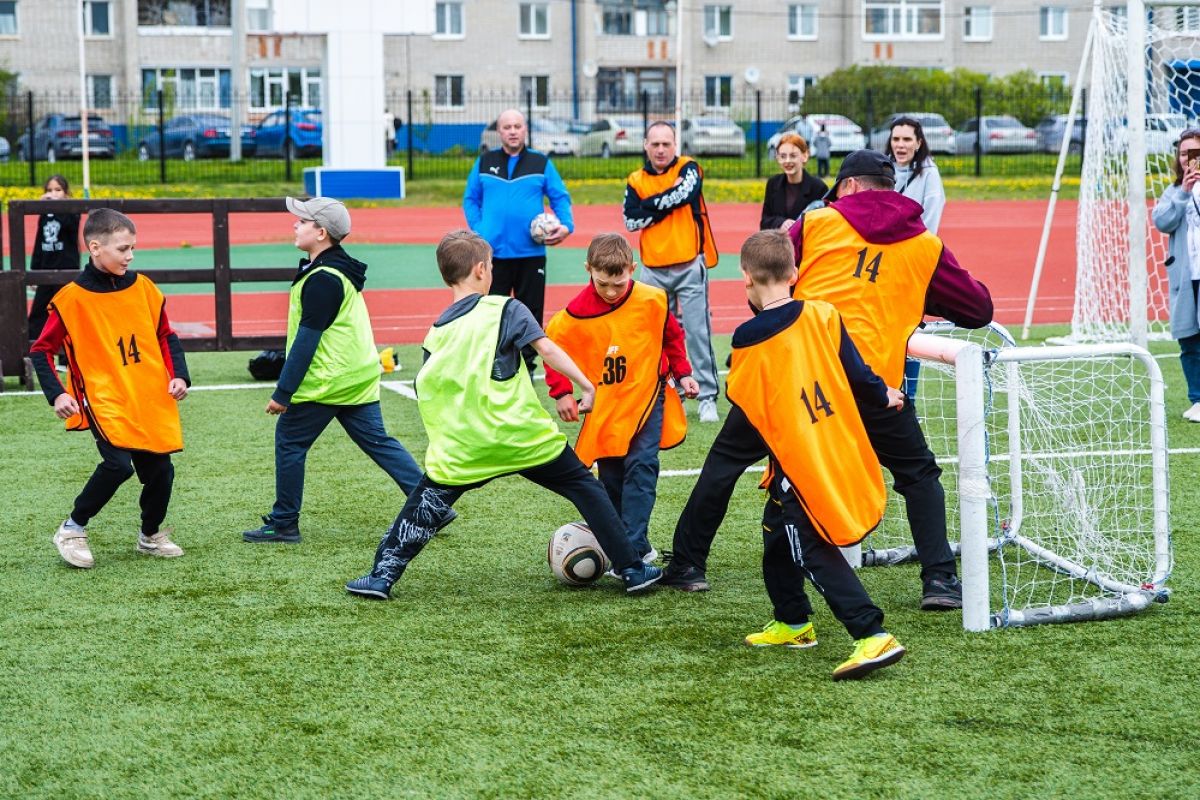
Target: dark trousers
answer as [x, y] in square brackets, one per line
[791, 551]
[632, 480]
[899, 444]
[565, 476]
[39, 311]
[524, 279]
[155, 472]
[822, 167]
[300, 426]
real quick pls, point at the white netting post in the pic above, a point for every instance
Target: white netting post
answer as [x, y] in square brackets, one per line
[974, 491]
[1136, 64]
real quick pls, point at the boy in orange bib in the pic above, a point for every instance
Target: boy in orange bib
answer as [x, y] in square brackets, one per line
[628, 344]
[126, 375]
[799, 381]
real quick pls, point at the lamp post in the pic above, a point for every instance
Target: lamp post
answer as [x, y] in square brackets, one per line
[674, 9]
[83, 106]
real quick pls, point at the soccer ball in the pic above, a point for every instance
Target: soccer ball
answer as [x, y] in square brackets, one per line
[541, 226]
[575, 556]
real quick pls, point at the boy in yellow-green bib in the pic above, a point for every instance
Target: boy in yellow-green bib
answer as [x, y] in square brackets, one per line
[331, 370]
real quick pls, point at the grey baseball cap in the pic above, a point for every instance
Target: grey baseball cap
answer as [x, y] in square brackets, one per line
[326, 212]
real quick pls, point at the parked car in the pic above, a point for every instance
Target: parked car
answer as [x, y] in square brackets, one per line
[1050, 134]
[58, 136]
[5, 150]
[938, 133]
[996, 134]
[613, 136]
[713, 136]
[844, 135]
[304, 138]
[1162, 132]
[551, 136]
[195, 136]
[797, 124]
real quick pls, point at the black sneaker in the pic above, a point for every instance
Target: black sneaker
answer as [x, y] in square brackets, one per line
[943, 593]
[271, 532]
[374, 588]
[685, 578]
[451, 515]
[640, 577]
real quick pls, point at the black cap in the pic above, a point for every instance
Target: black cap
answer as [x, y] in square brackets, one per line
[863, 163]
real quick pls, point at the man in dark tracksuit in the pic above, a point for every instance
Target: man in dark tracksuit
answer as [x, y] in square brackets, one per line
[883, 219]
[505, 191]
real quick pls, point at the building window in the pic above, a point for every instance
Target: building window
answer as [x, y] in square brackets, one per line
[718, 22]
[449, 17]
[802, 21]
[95, 18]
[536, 88]
[8, 18]
[977, 24]
[718, 91]
[634, 18]
[1053, 23]
[796, 87]
[184, 13]
[186, 88]
[1187, 20]
[99, 89]
[535, 20]
[259, 16]
[1056, 82]
[448, 91]
[270, 88]
[902, 19]
[622, 88]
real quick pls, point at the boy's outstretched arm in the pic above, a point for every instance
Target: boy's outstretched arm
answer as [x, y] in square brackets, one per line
[557, 358]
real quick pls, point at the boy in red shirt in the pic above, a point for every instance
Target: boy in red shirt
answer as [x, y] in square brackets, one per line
[622, 335]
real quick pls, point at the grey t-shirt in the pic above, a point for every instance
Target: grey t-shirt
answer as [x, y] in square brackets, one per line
[518, 329]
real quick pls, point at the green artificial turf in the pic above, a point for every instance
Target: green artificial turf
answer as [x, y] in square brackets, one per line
[246, 671]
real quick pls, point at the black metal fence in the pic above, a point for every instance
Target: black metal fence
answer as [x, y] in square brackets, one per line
[153, 137]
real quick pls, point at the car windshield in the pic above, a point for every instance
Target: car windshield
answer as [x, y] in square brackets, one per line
[1004, 122]
[711, 122]
[93, 122]
[548, 126]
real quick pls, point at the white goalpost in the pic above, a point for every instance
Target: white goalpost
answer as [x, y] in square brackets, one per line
[1055, 467]
[1142, 69]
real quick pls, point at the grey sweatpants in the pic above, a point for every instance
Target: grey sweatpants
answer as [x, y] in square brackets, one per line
[686, 286]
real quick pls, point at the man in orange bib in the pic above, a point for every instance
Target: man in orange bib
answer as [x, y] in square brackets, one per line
[824, 484]
[127, 373]
[664, 200]
[623, 337]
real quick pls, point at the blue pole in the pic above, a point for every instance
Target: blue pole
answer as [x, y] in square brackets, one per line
[574, 61]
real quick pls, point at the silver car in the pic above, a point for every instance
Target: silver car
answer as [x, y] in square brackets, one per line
[938, 133]
[713, 136]
[844, 135]
[613, 136]
[550, 136]
[995, 134]
[797, 124]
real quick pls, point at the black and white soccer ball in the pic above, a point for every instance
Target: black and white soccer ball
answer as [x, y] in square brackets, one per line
[575, 556]
[541, 226]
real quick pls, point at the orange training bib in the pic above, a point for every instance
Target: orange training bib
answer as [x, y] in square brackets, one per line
[684, 233]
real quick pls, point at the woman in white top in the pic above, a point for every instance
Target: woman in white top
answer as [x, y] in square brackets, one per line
[916, 174]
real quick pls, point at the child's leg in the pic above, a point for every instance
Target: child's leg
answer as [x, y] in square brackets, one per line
[782, 576]
[423, 512]
[295, 433]
[568, 477]
[611, 472]
[364, 424]
[115, 469]
[826, 567]
[640, 479]
[157, 474]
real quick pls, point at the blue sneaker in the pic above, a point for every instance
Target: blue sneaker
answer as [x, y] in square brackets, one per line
[640, 577]
[374, 588]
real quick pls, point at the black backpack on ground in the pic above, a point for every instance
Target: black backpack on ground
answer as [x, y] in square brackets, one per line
[267, 365]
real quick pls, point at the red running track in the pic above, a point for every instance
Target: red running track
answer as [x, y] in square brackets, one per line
[996, 240]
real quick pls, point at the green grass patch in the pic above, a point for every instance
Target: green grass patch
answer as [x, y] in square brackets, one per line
[244, 670]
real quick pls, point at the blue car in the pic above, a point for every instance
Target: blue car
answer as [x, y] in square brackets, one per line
[304, 138]
[195, 136]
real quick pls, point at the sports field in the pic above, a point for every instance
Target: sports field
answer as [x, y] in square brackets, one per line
[245, 670]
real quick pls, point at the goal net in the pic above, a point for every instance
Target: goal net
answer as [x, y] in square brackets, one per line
[1055, 470]
[1133, 118]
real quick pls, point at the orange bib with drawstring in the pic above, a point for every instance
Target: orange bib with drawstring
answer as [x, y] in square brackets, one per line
[117, 372]
[620, 352]
[681, 235]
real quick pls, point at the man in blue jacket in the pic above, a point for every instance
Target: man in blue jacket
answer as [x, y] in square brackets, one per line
[505, 191]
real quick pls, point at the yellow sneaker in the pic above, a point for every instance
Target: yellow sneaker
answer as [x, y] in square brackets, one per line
[870, 654]
[780, 633]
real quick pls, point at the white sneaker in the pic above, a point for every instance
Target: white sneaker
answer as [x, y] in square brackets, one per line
[708, 410]
[72, 543]
[159, 544]
[650, 557]
[1193, 413]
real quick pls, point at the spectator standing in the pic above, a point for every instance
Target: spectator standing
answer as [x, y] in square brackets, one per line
[55, 246]
[917, 176]
[1177, 213]
[822, 149]
[506, 189]
[790, 193]
[664, 200]
[389, 134]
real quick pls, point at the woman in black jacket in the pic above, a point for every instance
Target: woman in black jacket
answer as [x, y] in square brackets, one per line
[790, 193]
